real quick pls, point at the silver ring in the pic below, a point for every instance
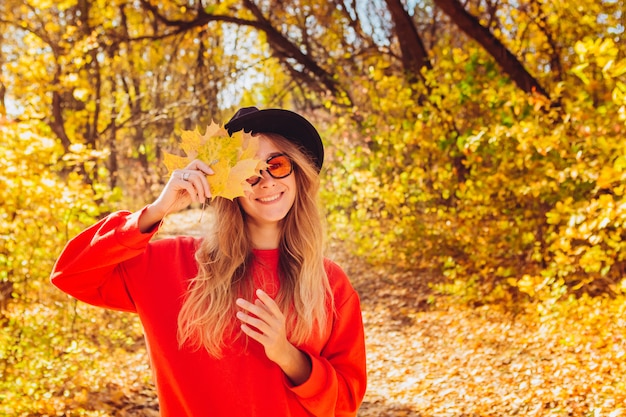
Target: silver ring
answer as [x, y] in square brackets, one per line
[186, 176]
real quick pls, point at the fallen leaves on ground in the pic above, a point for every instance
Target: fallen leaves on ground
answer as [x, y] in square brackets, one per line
[428, 357]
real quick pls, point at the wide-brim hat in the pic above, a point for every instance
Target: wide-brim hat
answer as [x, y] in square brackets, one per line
[286, 123]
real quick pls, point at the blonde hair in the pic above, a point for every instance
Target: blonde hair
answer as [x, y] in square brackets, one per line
[206, 319]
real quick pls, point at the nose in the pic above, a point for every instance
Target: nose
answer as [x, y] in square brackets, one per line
[266, 179]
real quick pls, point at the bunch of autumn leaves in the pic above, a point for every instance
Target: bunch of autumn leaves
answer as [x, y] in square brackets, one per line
[232, 158]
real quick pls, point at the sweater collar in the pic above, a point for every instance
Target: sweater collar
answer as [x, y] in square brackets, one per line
[267, 257]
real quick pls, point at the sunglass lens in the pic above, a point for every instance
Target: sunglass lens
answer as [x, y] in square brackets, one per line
[279, 166]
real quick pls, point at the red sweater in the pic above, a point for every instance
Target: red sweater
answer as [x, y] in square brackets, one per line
[113, 265]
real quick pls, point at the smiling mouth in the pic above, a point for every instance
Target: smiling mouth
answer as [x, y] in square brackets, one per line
[270, 198]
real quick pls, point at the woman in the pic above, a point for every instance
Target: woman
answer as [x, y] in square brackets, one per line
[251, 320]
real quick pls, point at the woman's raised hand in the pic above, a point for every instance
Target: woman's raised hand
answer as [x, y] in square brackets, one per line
[185, 186]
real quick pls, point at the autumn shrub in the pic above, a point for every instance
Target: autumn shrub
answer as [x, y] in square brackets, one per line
[510, 196]
[53, 350]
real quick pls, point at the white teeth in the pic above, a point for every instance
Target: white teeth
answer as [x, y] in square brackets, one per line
[269, 199]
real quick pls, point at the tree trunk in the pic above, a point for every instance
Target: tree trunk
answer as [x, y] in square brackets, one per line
[414, 55]
[57, 123]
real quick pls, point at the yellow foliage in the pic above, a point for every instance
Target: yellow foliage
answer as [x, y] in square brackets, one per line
[41, 346]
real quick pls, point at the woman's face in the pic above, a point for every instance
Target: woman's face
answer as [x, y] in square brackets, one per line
[271, 198]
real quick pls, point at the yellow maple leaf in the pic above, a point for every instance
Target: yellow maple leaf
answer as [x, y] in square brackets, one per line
[219, 180]
[173, 162]
[232, 158]
[245, 168]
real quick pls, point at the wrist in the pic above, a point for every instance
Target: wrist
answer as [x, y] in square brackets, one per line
[150, 217]
[296, 365]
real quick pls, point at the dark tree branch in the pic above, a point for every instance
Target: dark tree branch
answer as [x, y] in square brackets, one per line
[285, 50]
[507, 61]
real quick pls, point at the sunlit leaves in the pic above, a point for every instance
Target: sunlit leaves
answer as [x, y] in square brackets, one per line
[61, 5]
[484, 181]
[40, 211]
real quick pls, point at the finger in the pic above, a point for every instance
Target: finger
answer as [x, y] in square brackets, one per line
[179, 174]
[198, 172]
[259, 324]
[198, 179]
[205, 185]
[262, 306]
[189, 188]
[199, 165]
[252, 334]
[269, 303]
[253, 309]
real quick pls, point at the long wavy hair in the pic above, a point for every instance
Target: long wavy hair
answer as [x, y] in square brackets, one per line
[206, 319]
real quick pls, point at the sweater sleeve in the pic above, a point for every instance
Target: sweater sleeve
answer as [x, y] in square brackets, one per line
[338, 378]
[89, 266]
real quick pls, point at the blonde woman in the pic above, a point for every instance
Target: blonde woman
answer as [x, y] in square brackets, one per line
[250, 320]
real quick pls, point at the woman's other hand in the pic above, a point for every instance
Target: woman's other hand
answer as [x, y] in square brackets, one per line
[264, 322]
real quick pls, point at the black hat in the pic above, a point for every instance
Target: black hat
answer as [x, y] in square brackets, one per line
[284, 122]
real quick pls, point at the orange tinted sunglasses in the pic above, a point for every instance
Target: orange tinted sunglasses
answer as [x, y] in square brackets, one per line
[279, 166]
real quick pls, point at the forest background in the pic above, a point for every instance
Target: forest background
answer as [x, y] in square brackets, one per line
[474, 183]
